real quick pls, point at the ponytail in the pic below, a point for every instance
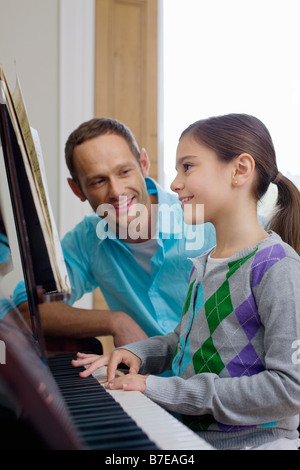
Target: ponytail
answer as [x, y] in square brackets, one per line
[286, 216]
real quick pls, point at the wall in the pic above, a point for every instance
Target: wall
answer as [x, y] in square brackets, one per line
[52, 44]
[29, 37]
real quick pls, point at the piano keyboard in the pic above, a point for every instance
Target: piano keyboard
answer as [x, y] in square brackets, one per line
[160, 426]
[118, 419]
[101, 422]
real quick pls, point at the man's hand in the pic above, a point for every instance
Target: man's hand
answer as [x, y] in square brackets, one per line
[63, 320]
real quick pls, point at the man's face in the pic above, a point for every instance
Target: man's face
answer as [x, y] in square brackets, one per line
[109, 174]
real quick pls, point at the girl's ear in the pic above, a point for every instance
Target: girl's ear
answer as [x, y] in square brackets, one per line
[244, 166]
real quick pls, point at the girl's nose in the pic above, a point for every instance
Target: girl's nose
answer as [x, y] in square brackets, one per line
[176, 185]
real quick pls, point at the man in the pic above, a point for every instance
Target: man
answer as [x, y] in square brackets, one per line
[135, 246]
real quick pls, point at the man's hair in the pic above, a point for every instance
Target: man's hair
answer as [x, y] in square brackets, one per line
[94, 128]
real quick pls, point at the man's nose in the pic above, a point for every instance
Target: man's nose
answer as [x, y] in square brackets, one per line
[115, 189]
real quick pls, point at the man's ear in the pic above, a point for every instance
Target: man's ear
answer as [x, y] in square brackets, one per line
[76, 190]
[145, 162]
[244, 166]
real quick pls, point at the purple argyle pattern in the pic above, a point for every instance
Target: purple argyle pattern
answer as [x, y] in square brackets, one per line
[263, 261]
[247, 361]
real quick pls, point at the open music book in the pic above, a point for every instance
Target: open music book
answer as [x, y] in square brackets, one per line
[31, 154]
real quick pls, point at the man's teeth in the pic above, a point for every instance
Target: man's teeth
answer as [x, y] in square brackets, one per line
[123, 203]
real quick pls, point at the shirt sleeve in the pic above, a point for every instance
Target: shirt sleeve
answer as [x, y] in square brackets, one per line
[19, 293]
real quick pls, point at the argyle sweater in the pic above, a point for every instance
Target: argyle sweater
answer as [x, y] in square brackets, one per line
[234, 353]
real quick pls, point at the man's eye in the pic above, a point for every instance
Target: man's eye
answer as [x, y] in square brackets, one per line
[124, 172]
[97, 182]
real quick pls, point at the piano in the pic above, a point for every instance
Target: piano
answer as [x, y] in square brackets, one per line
[43, 401]
[68, 412]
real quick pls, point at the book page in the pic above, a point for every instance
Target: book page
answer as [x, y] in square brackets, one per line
[59, 258]
[29, 144]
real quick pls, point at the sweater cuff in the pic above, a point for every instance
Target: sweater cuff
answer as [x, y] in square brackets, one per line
[155, 387]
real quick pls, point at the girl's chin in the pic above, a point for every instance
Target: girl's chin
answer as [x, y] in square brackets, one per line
[193, 215]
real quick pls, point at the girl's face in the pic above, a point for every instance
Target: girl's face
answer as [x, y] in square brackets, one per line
[202, 181]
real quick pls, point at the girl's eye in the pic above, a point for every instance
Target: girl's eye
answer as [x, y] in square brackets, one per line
[186, 166]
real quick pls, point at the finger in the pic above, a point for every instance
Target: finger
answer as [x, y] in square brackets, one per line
[84, 362]
[112, 367]
[87, 359]
[129, 383]
[134, 386]
[92, 368]
[100, 361]
[115, 384]
[133, 362]
[83, 355]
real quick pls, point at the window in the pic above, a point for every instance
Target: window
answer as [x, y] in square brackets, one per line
[233, 56]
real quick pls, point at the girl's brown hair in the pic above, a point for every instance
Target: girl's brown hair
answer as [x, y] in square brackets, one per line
[233, 134]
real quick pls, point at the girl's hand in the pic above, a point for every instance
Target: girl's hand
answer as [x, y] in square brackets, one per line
[128, 382]
[111, 360]
[93, 360]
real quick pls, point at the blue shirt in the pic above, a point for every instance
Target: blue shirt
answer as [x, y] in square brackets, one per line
[96, 257]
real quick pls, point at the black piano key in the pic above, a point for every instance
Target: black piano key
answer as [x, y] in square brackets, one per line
[117, 438]
[136, 443]
[106, 422]
[101, 409]
[112, 433]
[99, 417]
[75, 410]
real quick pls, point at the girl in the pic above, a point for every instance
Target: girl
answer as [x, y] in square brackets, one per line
[234, 354]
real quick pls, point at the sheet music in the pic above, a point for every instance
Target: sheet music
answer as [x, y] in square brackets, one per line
[59, 258]
[30, 147]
